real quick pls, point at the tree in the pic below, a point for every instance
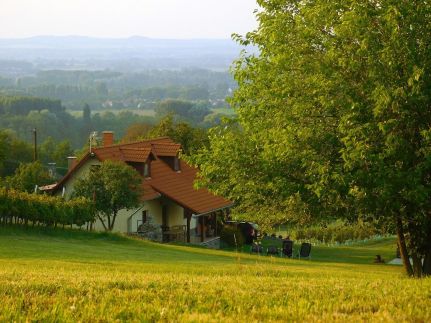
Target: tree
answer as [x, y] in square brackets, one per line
[52, 151]
[333, 119]
[13, 151]
[136, 132]
[113, 186]
[183, 110]
[190, 138]
[86, 121]
[4, 148]
[27, 176]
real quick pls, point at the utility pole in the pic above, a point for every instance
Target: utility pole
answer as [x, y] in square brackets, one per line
[35, 144]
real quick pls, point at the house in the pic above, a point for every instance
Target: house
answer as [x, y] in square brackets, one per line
[171, 209]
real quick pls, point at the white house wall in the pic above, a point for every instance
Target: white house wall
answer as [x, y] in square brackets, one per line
[122, 223]
[82, 171]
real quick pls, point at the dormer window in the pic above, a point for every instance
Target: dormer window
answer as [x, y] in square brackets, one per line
[147, 170]
[176, 164]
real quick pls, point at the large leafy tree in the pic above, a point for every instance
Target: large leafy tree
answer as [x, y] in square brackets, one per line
[112, 186]
[333, 118]
[190, 138]
[29, 175]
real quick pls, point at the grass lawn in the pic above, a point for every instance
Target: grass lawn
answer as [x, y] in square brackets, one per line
[56, 275]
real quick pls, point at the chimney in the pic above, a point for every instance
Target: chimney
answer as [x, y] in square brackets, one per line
[52, 169]
[108, 138]
[71, 161]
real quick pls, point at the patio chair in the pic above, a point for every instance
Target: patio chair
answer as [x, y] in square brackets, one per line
[287, 248]
[304, 251]
[255, 248]
[272, 250]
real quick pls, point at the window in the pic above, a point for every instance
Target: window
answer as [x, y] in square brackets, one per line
[176, 164]
[144, 216]
[147, 170]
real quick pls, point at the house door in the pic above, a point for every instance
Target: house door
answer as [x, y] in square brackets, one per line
[165, 226]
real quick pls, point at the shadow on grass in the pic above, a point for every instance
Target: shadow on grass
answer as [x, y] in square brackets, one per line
[62, 233]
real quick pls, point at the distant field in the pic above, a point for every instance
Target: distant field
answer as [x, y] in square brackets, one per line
[149, 113]
[228, 111]
[55, 275]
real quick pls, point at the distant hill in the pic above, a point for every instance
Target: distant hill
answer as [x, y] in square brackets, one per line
[70, 52]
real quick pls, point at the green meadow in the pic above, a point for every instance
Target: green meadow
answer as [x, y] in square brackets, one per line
[68, 276]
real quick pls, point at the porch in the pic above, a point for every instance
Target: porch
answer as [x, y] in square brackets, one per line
[199, 229]
[166, 221]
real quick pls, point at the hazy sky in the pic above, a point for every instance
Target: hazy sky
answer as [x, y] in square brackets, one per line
[123, 18]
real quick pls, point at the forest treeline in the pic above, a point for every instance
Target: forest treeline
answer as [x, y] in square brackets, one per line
[22, 114]
[114, 89]
[22, 105]
[60, 134]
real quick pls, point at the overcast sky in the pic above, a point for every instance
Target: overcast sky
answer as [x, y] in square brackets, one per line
[124, 18]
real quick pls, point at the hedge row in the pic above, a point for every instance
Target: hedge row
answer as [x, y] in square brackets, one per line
[22, 207]
[336, 232]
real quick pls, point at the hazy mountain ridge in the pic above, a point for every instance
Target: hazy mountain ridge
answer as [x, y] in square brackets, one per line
[99, 53]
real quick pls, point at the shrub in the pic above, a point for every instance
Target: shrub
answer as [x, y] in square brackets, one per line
[336, 232]
[232, 236]
[43, 209]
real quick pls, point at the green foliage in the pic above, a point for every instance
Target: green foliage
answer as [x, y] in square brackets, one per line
[23, 207]
[4, 148]
[13, 152]
[232, 236]
[182, 110]
[332, 118]
[136, 132]
[27, 176]
[23, 105]
[57, 152]
[336, 232]
[112, 186]
[190, 138]
[60, 125]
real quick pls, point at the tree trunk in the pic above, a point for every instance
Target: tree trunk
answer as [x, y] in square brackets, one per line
[426, 267]
[103, 222]
[114, 216]
[417, 265]
[403, 248]
[416, 235]
[109, 222]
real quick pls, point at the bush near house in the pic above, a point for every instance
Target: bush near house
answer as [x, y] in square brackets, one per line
[22, 207]
[232, 236]
[336, 232]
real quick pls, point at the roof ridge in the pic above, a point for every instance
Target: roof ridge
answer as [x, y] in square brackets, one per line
[127, 148]
[135, 142]
[166, 143]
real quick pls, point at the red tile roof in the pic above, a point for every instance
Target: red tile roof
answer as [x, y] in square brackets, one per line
[166, 149]
[177, 186]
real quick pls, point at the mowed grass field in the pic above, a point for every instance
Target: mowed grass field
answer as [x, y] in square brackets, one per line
[55, 275]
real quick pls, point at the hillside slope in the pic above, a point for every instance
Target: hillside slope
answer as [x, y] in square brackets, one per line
[68, 276]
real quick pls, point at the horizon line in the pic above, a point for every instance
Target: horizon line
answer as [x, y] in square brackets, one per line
[108, 37]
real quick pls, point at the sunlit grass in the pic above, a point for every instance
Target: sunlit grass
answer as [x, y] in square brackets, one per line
[49, 275]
